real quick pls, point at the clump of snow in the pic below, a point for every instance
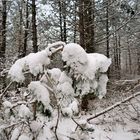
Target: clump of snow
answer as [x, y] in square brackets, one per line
[65, 91]
[86, 69]
[55, 74]
[7, 104]
[103, 79]
[15, 134]
[16, 71]
[41, 93]
[24, 111]
[35, 62]
[75, 57]
[36, 126]
[24, 137]
[71, 110]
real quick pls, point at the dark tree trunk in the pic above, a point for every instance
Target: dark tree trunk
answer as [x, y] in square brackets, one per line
[60, 19]
[64, 21]
[3, 31]
[34, 28]
[0, 27]
[20, 44]
[26, 30]
[81, 24]
[75, 25]
[86, 25]
[107, 29]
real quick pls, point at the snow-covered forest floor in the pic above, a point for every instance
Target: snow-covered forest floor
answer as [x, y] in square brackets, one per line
[122, 122]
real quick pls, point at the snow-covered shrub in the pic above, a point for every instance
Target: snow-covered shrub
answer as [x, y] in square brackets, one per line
[87, 69]
[45, 109]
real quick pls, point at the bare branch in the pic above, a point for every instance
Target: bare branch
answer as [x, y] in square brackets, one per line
[113, 106]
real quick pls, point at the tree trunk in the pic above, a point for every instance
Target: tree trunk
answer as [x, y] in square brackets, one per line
[34, 29]
[20, 44]
[86, 25]
[129, 57]
[26, 30]
[81, 23]
[107, 30]
[0, 26]
[64, 21]
[60, 19]
[3, 31]
[75, 23]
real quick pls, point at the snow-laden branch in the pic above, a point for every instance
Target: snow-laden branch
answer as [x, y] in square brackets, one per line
[113, 106]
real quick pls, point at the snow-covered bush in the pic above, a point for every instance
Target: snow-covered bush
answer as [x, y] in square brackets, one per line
[49, 103]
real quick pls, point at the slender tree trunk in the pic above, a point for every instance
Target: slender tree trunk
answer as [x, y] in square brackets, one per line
[75, 22]
[0, 26]
[34, 28]
[138, 61]
[129, 57]
[81, 23]
[26, 29]
[3, 32]
[107, 30]
[60, 19]
[20, 31]
[64, 21]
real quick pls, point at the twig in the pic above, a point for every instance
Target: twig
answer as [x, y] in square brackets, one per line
[78, 125]
[3, 93]
[113, 106]
[6, 127]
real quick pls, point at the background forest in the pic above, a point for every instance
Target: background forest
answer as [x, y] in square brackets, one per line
[110, 27]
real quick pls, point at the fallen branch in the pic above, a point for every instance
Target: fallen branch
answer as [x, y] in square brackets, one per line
[113, 106]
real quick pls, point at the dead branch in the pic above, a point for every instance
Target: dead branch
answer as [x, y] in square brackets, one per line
[113, 106]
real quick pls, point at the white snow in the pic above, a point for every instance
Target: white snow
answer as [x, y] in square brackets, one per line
[24, 137]
[24, 111]
[75, 57]
[86, 68]
[15, 134]
[41, 93]
[7, 104]
[34, 62]
[55, 74]
[103, 79]
[36, 126]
